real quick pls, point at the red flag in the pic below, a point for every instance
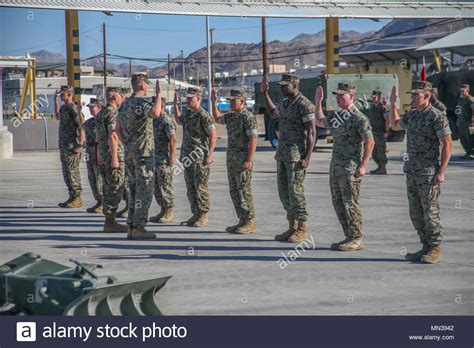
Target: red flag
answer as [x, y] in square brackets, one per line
[423, 73]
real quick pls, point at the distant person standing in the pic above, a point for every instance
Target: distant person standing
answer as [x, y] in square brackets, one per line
[380, 124]
[241, 146]
[93, 172]
[429, 149]
[71, 139]
[465, 113]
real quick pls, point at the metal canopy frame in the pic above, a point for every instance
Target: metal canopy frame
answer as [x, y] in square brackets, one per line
[388, 9]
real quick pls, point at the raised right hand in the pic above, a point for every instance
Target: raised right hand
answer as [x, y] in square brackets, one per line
[319, 95]
[394, 95]
[176, 98]
[213, 95]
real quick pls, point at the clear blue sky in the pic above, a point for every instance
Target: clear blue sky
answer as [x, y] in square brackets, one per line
[129, 34]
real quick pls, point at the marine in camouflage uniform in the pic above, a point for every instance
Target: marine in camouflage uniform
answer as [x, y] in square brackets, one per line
[464, 113]
[71, 137]
[241, 144]
[165, 146]
[427, 129]
[436, 102]
[93, 173]
[352, 144]
[296, 122]
[197, 151]
[136, 128]
[375, 112]
[114, 175]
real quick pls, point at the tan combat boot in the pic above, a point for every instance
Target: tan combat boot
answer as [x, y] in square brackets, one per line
[300, 234]
[76, 202]
[63, 204]
[157, 217]
[167, 216]
[352, 244]
[111, 225]
[231, 229]
[190, 221]
[433, 255]
[202, 220]
[140, 233]
[380, 170]
[122, 213]
[248, 227]
[335, 246]
[96, 208]
[283, 237]
[417, 256]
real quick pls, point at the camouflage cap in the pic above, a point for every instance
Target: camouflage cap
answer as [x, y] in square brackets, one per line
[67, 89]
[420, 86]
[94, 102]
[377, 93]
[140, 76]
[286, 79]
[193, 92]
[236, 94]
[343, 88]
[126, 90]
[114, 90]
[465, 86]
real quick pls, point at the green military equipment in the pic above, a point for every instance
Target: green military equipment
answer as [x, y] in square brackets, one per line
[32, 285]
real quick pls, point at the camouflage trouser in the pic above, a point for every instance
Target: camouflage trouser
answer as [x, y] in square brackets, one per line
[240, 187]
[197, 178]
[113, 186]
[290, 178]
[464, 134]
[95, 177]
[164, 186]
[141, 183]
[379, 154]
[345, 199]
[423, 199]
[126, 187]
[72, 177]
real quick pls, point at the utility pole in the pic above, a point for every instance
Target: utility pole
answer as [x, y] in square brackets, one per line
[169, 76]
[183, 72]
[212, 58]
[130, 67]
[105, 59]
[209, 72]
[264, 46]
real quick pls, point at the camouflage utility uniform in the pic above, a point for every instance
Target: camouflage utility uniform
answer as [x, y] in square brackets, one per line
[241, 127]
[69, 138]
[376, 116]
[139, 146]
[164, 128]
[113, 178]
[349, 130]
[197, 127]
[293, 113]
[93, 172]
[463, 111]
[424, 128]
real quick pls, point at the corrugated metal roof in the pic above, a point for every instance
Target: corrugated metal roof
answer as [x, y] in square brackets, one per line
[260, 8]
[461, 42]
[384, 56]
